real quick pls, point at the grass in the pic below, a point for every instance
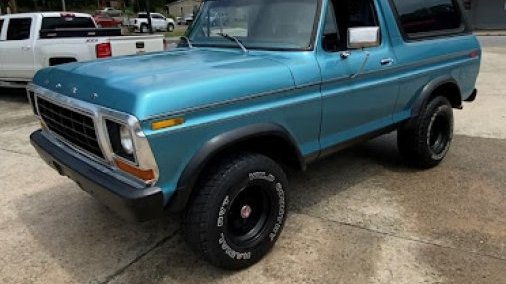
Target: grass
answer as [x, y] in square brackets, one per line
[175, 33]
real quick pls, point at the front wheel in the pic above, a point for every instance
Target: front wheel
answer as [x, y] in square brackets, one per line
[426, 142]
[238, 212]
[170, 27]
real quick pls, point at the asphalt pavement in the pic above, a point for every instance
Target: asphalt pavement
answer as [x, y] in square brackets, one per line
[360, 216]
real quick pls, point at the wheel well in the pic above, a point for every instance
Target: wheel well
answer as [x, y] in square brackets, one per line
[272, 146]
[450, 91]
[275, 147]
[61, 60]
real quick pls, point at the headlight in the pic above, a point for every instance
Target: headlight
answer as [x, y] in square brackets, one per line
[126, 140]
[121, 140]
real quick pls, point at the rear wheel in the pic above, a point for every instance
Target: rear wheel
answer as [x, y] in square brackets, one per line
[238, 212]
[144, 29]
[426, 142]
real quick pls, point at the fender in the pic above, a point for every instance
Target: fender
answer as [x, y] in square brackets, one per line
[217, 144]
[427, 91]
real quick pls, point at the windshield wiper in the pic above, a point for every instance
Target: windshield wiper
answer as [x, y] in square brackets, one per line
[234, 39]
[188, 41]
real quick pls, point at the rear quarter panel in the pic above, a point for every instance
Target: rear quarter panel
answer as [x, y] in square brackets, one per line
[423, 61]
[82, 49]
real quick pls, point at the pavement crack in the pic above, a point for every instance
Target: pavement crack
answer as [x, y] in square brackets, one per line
[406, 238]
[17, 152]
[120, 271]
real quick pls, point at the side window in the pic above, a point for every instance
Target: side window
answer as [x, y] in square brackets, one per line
[420, 19]
[1, 25]
[347, 14]
[19, 29]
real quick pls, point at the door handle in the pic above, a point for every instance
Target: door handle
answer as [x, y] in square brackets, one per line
[387, 61]
[26, 48]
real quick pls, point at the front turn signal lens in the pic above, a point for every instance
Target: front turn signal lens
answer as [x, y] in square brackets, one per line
[146, 175]
[161, 124]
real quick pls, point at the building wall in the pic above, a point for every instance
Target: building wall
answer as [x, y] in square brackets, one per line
[486, 14]
[184, 7]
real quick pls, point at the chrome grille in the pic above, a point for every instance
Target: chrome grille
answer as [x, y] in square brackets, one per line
[76, 128]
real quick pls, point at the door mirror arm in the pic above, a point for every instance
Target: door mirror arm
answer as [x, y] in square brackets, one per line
[364, 63]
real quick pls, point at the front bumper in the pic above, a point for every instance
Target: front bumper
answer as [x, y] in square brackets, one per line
[133, 201]
[472, 97]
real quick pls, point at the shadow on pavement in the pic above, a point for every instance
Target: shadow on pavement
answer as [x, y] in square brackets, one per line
[13, 95]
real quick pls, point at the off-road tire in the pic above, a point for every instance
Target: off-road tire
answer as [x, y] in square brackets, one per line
[425, 141]
[211, 222]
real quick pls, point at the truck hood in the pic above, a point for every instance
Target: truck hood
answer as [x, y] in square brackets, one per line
[168, 81]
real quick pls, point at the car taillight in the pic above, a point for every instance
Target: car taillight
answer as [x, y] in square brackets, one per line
[103, 50]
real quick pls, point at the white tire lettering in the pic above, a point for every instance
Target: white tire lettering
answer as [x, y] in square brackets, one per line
[262, 175]
[223, 211]
[281, 212]
[230, 252]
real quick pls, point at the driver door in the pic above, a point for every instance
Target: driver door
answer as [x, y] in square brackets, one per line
[158, 22]
[356, 100]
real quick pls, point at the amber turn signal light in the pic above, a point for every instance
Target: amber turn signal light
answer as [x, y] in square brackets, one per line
[146, 175]
[166, 123]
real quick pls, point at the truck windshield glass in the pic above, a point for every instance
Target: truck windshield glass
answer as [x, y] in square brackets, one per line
[258, 24]
[50, 23]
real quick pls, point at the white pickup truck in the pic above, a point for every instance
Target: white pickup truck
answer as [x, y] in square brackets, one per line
[32, 41]
[158, 21]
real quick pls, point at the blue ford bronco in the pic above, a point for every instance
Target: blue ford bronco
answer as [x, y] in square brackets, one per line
[256, 87]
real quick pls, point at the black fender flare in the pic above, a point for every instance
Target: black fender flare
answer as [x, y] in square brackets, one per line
[427, 91]
[212, 147]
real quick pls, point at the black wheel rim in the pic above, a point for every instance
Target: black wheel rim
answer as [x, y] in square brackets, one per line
[439, 134]
[249, 215]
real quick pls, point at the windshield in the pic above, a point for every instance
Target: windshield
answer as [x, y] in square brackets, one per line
[258, 24]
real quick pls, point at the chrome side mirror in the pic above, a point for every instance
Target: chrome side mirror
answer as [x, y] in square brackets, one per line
[363, 37]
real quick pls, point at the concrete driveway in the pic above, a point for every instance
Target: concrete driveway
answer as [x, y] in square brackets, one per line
[358, 217]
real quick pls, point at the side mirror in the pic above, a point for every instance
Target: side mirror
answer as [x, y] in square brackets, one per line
[363, 37]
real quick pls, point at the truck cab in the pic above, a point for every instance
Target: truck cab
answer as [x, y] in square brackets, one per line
[212, 128]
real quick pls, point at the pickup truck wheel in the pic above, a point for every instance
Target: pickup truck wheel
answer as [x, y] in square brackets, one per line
[238, 212]
[144, 29]
[426, 143]
[170, 27]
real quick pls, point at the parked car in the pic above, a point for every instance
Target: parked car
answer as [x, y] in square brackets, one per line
[159, 22]
[105, 21]
[111, 12]
[30, 42]
[188, 19]
[213, 127]
[180, 21]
